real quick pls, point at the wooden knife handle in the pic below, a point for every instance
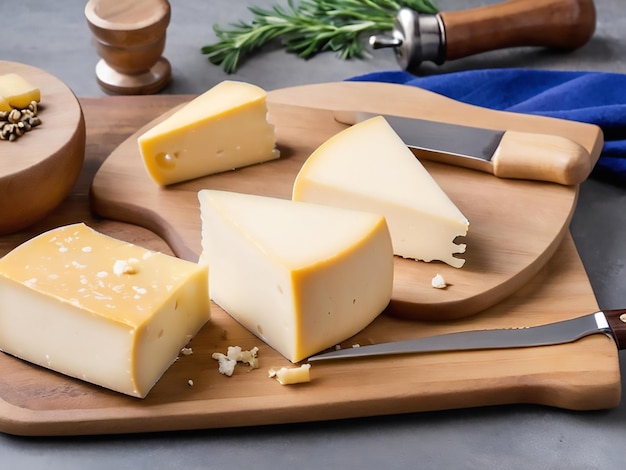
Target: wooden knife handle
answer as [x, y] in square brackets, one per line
[541, 157]
[562, 24]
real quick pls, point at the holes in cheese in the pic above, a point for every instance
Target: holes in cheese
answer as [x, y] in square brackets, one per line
[223, 129]
[16, 92]
[368, 167]
[302, 277]
[99, 309]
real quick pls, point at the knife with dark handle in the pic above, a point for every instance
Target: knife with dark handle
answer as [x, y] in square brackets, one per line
[505, 154]
[609, 322]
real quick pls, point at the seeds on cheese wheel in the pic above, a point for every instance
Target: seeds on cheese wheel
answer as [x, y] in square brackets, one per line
[368, 167]
[66, 305]
[302, 277]
[223, 129]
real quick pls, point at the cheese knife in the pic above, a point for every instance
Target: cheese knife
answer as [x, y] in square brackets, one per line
[608, 322]
[505, 154]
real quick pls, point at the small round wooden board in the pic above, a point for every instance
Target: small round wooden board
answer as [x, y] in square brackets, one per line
[39, 169]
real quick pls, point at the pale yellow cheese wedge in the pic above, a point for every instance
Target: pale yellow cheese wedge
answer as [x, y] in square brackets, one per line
[302, 277]
[99, 309]
[368, 167]
[223, 129]
[16, 92]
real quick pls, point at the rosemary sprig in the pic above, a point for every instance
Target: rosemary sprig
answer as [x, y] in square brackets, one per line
[308, 28]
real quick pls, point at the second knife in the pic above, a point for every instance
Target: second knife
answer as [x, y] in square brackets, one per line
[609, 322]
[506, 154]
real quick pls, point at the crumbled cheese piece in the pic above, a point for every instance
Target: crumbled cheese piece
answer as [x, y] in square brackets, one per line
[235, 354]
[291, 375]
[438, 282]
[190, 382]
[123, 266]
[186, 351]
[226, 365]
[247, 357]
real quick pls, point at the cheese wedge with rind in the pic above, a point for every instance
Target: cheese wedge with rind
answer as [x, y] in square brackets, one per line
[302, 277]
[99, 309]
[16, 92]
[368, 167]
[223, 129]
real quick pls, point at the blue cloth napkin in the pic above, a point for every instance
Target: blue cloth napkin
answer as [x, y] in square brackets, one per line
[592, 97]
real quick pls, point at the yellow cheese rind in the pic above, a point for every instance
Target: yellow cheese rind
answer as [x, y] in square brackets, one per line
[16, 92]
[302, 277]
[223, 129]
[368, 167]
[99, 309]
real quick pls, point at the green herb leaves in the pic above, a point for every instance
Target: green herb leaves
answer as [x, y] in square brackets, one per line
[308, 28]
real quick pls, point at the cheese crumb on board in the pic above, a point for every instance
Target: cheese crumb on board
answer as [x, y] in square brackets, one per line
[438, 282]
[226, 365]
[63, 308]
[281, 273]
[223, 129]
[368, 167]
[291, 375]
[234, 354]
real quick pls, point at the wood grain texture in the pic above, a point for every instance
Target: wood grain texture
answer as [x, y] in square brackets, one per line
[515, 225]
[37, 170]
[581, 376]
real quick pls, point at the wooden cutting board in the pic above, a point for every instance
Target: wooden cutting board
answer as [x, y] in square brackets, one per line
[580, 376]
[515, 226]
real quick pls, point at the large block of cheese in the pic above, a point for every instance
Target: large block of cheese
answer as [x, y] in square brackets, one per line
[368, 167]
[99, 309]
[302, 277]
[223, 129]
[16, 92]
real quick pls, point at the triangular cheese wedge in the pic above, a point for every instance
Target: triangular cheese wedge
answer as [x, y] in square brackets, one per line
[302, 277]
[224, 128]
[368, 167]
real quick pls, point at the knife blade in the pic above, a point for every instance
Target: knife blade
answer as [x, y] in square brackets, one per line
[503, 153]
[609, 322]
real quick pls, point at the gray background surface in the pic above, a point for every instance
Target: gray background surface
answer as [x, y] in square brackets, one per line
[54, 36]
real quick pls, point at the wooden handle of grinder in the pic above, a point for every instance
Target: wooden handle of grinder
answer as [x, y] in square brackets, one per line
[561, 24]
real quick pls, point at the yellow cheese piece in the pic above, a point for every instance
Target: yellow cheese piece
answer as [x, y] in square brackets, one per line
[292, 375]
[99, 309]
[302, 277]
[16, 92]
[223, 129]
[368, 167]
